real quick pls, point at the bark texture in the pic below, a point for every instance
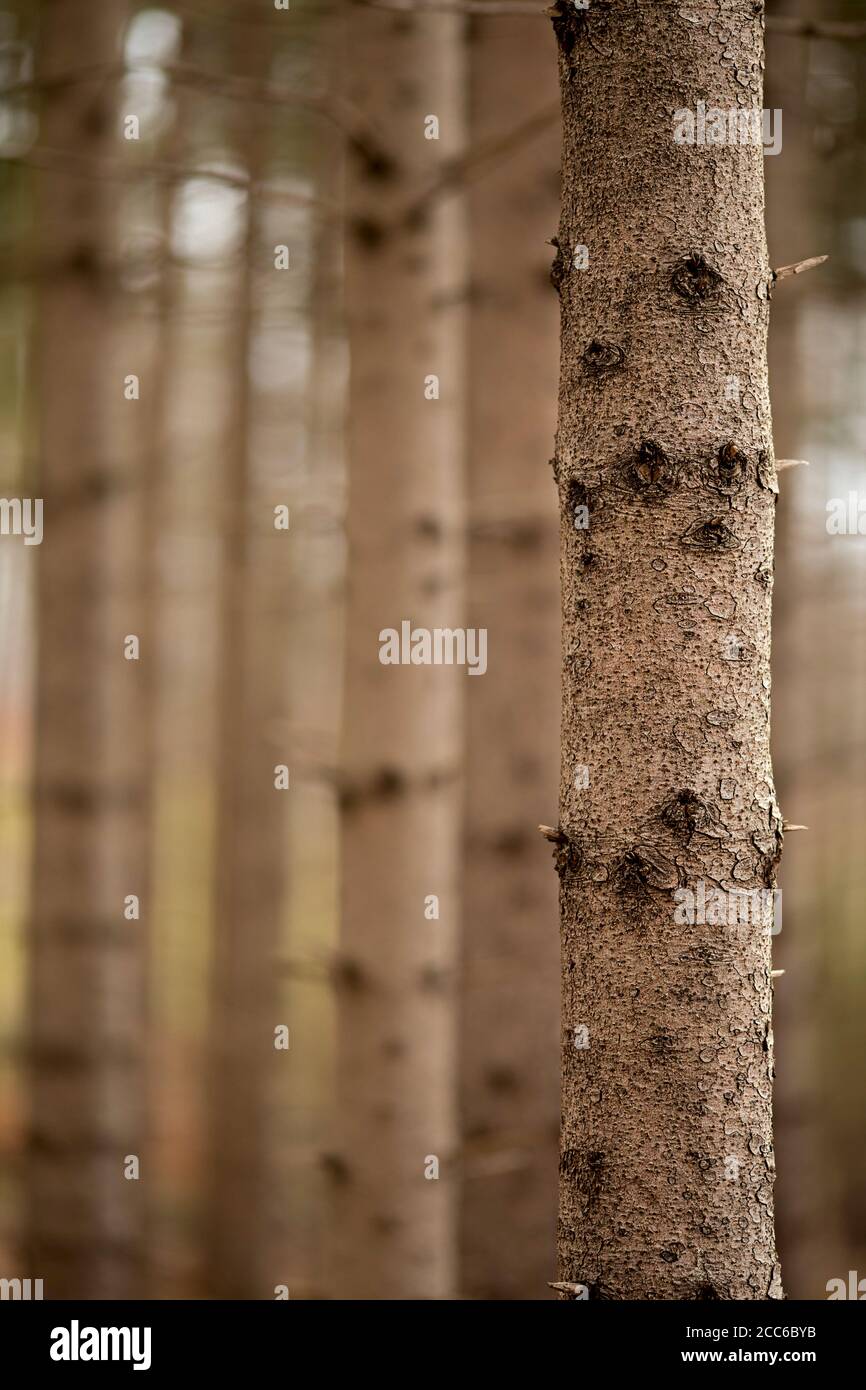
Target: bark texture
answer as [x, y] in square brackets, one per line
[509, 1004]
[670, 717]
[396, 1088]
[87, 962]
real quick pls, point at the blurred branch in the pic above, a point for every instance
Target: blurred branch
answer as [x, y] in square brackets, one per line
[798, 267]
[222, 85]
[777, 24]
[496, 7]
[249, 18]
[459, 171]
[340, 113]
[816, 28]
[63, 162]
[15, 267]
[97, 72]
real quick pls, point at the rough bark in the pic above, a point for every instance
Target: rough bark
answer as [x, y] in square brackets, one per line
[87, 962]
[670, 718]
[396, 1086]
[509, 1003]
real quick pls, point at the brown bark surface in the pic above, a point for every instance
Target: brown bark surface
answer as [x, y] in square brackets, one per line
[677, 558]
[509, 993]
[394, 1228]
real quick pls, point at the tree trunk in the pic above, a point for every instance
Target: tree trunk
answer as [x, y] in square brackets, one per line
[87, 959]
[509, 1003]
[394, 1227]
[319, 589]
[666, 1159]
[252, 805]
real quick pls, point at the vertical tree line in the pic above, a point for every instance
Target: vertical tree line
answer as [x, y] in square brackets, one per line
[252, 739]
[394, 1228]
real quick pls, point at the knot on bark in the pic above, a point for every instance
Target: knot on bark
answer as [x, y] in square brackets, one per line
[567, 856]
[336, 1169]
[767, 472]
[651, 472]
[764, 574]
[385, 784]
[641, 869]
[696, 280]
[559, 265]
[583, 1170]
[769, 847]
[662, 1046]
[377, 163]
[569, 22]
[349, 975]
[686, 814]
[601, 357]
[729, 470]
[711, 536]
[369, 233]
[578, 500]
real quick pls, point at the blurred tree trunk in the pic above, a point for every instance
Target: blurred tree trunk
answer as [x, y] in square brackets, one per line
[509, 999]
[806, 1220]
[182, 600]
[87, 961]
[393, 1219]
[319, 589]
[667, 1154]
[252, 723]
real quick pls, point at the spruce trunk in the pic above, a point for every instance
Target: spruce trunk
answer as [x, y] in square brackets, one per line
[667, 489]
[394, 1219]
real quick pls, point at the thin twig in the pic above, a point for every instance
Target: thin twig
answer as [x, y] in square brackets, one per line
[798, 267]
[551, 833]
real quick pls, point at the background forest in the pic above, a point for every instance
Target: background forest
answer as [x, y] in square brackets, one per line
[279, 982]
